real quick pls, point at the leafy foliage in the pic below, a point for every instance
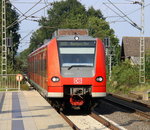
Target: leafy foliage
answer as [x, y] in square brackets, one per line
[124, 77]
[147, 67]
[21, 63]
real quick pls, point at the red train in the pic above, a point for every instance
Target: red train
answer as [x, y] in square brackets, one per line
[69, 69]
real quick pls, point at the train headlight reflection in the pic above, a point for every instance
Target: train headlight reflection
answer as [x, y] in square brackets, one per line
[55, 79]
[99, 79]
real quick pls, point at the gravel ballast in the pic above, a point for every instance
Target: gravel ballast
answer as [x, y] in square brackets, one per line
[87, 123]
[122, 117]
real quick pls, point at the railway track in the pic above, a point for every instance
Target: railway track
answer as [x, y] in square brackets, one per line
[69, 121]
[105, 122]
[130, 105]
[129, 100]
[92, 121]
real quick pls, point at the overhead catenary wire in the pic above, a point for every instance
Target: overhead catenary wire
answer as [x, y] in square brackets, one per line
[117, 21]
[33, 7]
[118, 3]
[31, 15]
[46, 3]
[137, 9]
[18, 21]
[23, 44]
[129, 0]
[115, 12]
[131, 12]
[17, 9]
[24, 38]
[26, 16]
[131, 21]
[26, 35]
[17, 2]
[125, 17]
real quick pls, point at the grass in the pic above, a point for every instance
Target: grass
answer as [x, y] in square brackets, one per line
[24, 87]
[124, 89]
[142, 88]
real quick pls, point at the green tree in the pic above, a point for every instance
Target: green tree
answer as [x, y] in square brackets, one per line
[96, 13]
[21, 63]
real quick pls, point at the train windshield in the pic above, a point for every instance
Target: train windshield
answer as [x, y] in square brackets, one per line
[77, 53]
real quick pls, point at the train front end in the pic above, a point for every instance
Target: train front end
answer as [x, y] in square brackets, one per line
[76, 70]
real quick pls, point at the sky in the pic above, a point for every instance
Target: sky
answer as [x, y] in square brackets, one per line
[121, 26]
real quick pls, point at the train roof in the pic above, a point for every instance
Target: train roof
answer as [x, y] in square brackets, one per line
[45, 44]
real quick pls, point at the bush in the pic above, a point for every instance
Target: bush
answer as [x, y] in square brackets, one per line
[147, 67]
[124, 77]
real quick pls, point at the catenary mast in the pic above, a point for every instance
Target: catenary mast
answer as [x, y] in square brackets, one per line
[142, 47]
[4, 44]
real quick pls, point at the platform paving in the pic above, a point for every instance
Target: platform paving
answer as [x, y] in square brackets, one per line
[28, 110]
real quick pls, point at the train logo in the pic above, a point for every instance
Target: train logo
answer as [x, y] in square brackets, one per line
[77, 80]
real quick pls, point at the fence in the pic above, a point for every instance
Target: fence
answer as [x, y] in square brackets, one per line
[9, 82]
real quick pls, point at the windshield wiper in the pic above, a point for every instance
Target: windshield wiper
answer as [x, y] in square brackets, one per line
[78, 66]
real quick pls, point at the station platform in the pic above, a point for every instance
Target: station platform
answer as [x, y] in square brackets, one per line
[28, 110]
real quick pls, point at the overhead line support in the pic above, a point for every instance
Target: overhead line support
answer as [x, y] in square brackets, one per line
[4, 43]
[142, 46]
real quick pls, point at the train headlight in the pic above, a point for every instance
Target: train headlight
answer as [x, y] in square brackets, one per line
[76, 38]
[55, 79]
[99, 79]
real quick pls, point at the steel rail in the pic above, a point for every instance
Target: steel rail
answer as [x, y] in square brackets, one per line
[72, 125]
[136, 111]
[69, 121]
[104, 121]
[129, 100]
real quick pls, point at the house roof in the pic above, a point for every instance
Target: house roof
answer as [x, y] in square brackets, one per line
[131, 46]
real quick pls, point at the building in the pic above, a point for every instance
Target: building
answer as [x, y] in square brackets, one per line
[131, 49]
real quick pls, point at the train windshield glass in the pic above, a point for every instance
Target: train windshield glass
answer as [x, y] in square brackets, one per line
[77, 53]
